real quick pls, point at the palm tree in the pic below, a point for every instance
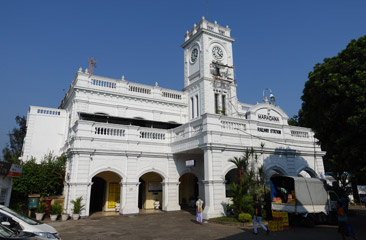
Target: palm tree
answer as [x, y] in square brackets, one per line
[239, 163]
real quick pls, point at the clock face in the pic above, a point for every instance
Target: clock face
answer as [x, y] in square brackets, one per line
[194, 55]
[217, 53]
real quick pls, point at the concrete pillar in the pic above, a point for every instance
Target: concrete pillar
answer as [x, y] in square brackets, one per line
[129, 198]
[214, 184]
[170, 196]
[208, 186]
[77, 189]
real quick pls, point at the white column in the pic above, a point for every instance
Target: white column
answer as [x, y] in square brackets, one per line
[88, 199]
[77, 189]
[129, 198]
[170, 196]
[208, 186]
[214, 184]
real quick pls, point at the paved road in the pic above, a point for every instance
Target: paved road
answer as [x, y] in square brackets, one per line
[181, 225]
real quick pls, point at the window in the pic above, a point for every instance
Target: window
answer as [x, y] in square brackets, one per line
[223, 105]
[192, 107]
[217, 103]
[197, 108]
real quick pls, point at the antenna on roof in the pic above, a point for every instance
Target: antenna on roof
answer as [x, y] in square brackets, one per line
[92, 64]
[207, 8]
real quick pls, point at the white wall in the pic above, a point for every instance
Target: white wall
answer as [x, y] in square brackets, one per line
[45, 132]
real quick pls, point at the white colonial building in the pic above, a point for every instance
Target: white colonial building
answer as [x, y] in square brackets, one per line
[130, 143]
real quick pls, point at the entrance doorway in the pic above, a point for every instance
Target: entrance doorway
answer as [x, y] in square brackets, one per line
[188, 190]
[96, 195]
[105, 192]
[150, 191]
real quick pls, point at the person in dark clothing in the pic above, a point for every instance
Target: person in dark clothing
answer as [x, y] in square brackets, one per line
[258, 217]
[282, 192]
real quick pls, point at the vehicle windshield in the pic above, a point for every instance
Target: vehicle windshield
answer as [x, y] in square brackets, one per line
[22, 217]
[4, 232]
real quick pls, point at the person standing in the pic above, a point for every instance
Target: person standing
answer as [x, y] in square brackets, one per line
[199, 210]
[258, 217]
[342, 220]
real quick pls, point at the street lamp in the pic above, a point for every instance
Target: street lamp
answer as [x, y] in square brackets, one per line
[272, 98]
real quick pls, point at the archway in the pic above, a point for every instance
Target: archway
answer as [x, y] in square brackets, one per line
[150, 191]
[273, 171]
[307, 173]
[105, 192]
[231, 177]
[188, 190]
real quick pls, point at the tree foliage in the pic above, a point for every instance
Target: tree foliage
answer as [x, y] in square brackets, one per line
[13, 150]
[334, 106]
[293, 121]
[249, 184]
[46, 178]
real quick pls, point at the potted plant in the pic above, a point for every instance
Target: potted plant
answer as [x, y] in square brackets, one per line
[40, 210]
[77, 207]
[55, 210]
[64, 215]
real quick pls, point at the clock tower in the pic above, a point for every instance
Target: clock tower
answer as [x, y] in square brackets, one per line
[209, 70]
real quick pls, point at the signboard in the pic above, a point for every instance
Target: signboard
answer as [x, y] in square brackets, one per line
[190, 163]
[155, 187]
[15, 171]
[33, 200]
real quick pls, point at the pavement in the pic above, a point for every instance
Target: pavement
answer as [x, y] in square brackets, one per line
[156, 225]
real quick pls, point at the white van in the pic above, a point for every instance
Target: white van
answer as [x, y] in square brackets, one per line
[14, 220]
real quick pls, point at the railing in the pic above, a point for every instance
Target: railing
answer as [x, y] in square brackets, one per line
[172, 95]
[197, 129]
[139, 89]
[102, 83]
[48, 111]
[233, 125]
[109, 131]
[85, 129]
[152, 135]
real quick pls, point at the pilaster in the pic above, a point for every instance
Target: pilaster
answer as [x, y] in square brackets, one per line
[129, 198]
[170, 196]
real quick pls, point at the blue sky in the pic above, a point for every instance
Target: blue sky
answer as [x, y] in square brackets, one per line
[43, 43]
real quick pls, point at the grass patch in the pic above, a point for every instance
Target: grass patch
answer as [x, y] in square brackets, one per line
[225, 219]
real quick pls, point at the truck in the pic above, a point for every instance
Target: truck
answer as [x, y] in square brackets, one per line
[309, 200]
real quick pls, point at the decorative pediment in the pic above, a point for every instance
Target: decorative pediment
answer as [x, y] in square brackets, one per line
[268, 113]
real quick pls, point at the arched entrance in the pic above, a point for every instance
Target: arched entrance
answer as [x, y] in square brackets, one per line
[188, 190]
[150, 191]
[105, 192]
[231, 177]
[307, 173]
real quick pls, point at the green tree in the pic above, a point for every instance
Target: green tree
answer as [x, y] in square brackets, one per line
[13, 150]
[249, 184]
[294, 121]
[334, 106]
[46, 178]
[239, 163]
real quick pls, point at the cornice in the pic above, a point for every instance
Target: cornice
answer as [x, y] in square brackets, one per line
[208, 32]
